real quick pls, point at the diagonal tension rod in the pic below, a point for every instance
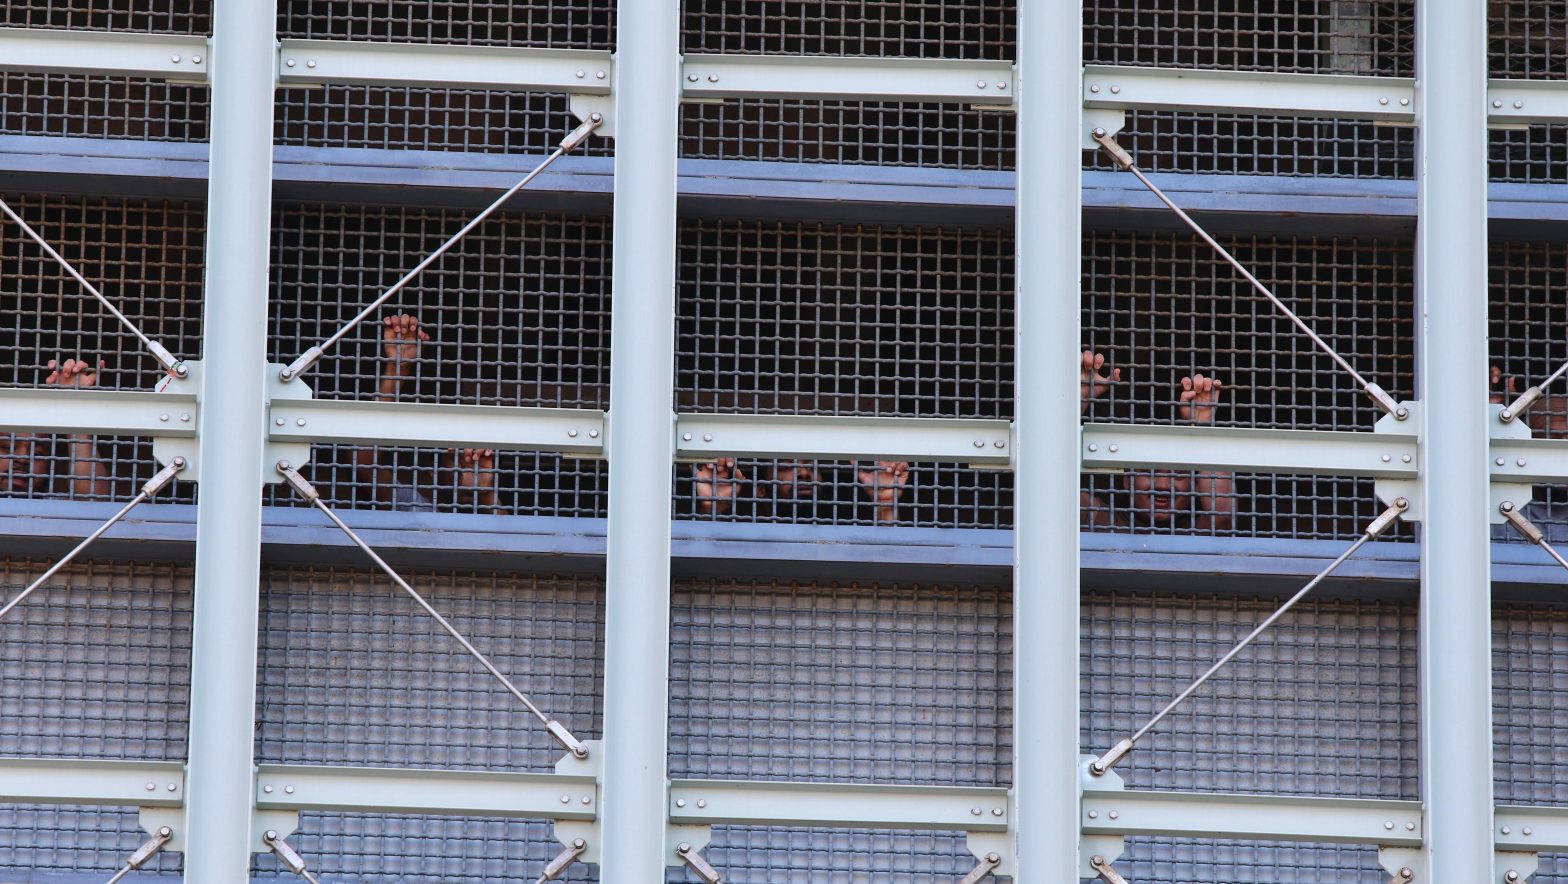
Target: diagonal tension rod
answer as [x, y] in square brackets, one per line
[1531, 396]
[1374, 529]
[287, 855]
[143, 854]
[1122, 158]
[153, 486]
[310, 494]
[1528, 528]
[159, 352]
[308, 358]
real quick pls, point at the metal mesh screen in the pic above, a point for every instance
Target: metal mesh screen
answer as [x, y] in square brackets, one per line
[916, 28]
[144, 255]
[75, 844]
[353, 672]
[1526, 40]
[551, 24]
[1191, 861]
[1529, 708]
[1239, 144]
[1537, 155]
[99, 107]
[1186, 502]
[1527, 310]
[146, 16]
[839, 856]
[473, 120]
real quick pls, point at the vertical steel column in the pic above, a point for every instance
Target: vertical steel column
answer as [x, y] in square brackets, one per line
[1455, 622]
[1045, 534]
[641, 443]
[219, 792]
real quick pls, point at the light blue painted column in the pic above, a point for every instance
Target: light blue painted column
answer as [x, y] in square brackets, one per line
[641, 443]
[1045, 580]
[1455, 622]
[219, 791]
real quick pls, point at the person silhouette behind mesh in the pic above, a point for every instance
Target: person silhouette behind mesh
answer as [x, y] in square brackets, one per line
[25, 457]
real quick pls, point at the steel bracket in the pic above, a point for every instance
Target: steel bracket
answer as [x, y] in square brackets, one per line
[1403, 864]
[1515, 868]
[1111, 847]
[497, 68]
[569, 830]
[166, 448]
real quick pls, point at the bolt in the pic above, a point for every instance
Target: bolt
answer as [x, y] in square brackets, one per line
[267, 788]
[1506, 506]
[1094, 814]
[979, 443]
[691, 78]
[587, 799]
[993, 857]
[1410, 827]
[1497, 103]
[152, 786]
[1388, 825]
[165, 831]
[1507, 831]
[310, 63]
[1097, 132]
[713, 78]
[980, 84]
[581, 74]
[1520, 461]
[702, 802]
[572, 433]
[680, 802]
[975, 811]
[185, 417]
[1405, 458]
[579, 843]
[593, 434]
[270, 835]
[999, 444]
[1525, 830]
[1386, 458]
[300, 422]
[1113, 448]
[599, 74]
[1000, 84]
[279, 421]
[1113, 814]
[1116, 90]
[996, 811]
[1404, 102]
[1500, 461]
[1407, 873]
[566, 799]
[288, 790]
[290, 63]
[195, 59]
[683, 848]
[1095, 88]
[1512, 875]
[174, 787]
[1518, 105]
[1093, 447]
[1383, 100]
[685, 437]
[1401, 413]
[163, 417]
[707, 437]
[175, 59]
[284, 466]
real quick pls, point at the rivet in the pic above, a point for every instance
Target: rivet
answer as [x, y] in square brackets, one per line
[1525, 830]
[1497, 103]
[152, 786]
[999, 444]
[174, 787]
[1095, 88]
[996, 811]
[1113, 448]
[164, 416]
[1520, 461]
[587, 799]
[685, 437]
[593, 434]
[702, 802]
[267, 788]
[1500, 461]
[279, 422]
[713, 78]
[1518, 104]
[707, 437]
[581, 74]
[290, 63]
[599, 74]
[310, 63]
[300, 422]
[1405, 458]
[175, 59]
[691, 78]
[1507, 831]
[195, 59]
[1404, 102]
[566, 799]
[680, 802]
[1093, 447]
[1383, 100]
[1113, 814]
[1094, 814]
[572, 433]
[1387, 458]
[979, 443]
[1116, 90]
[980, 84]
[185, 416]
[1388, 824]
[975, 811]
[288, 790]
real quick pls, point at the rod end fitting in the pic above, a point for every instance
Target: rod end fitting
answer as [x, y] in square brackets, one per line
[1102, 765]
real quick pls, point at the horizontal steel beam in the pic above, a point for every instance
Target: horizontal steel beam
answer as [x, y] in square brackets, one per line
[980, 442]
[1263, 817]
[324, 62]
[1529, 460]
[92, 782]
[769, 803]
[1390, 99]
[1525, 102]
[445, 792]
[870, 79]
[104, 53]
[128, 412]
[1306, 452]
[1531, 829]
[570, 431]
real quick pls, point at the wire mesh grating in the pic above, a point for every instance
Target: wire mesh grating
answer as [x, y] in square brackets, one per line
[143, 16]
[544, 24]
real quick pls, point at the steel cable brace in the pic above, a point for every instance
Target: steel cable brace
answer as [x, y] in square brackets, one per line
[159, 352]
[562, 861]
[1529, 530]
[1123, 159]
[984, 870]
[1531, 396]
[1107, 873]
[574, 138]
[144, 854]
[311, 495]
[1374, 529]
[287, 855]
[696, 863]
[153, 486]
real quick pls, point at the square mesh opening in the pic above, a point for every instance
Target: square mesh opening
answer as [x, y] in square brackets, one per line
[971, 29]
[102, 107]
[844, 683]
[542, 24]
[144, 16]
[352, 671]
[397, 849]
[400, 118]
[1527, 309]
[1324, 703]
